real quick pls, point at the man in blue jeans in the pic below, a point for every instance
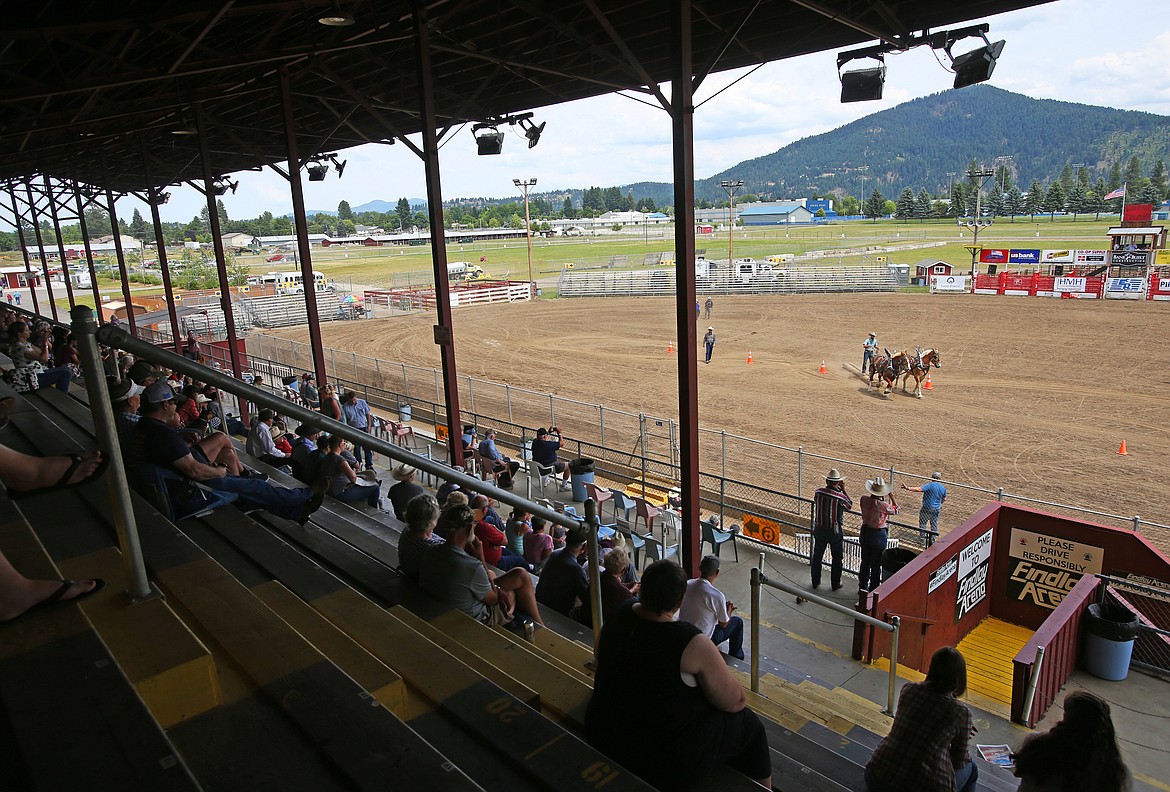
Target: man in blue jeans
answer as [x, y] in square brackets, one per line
[933, 495]
[356, 413]
[158, 442]
[705, 607]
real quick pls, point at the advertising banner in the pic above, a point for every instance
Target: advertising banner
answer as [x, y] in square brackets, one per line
[993, 256]
[942, 574]
[1129, 258]
[1129, 285]
[1045, 568]
[974, 564]
[1162, 258]
[1057, 256]
[1164, 284]
[1024, 256]
[1068, 285]
[949, 283]
[1091, 256]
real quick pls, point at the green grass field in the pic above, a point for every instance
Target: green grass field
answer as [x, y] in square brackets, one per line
[852, 243]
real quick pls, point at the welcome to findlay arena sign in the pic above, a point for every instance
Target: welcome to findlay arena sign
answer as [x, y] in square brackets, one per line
[1043, 569]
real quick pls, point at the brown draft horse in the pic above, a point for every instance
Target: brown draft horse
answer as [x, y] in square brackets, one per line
[918, 367]
[888, 367]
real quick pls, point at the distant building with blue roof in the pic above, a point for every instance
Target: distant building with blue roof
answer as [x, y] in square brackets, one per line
[775, 214]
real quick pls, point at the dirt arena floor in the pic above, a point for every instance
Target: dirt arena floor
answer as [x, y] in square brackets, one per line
[1034, 395]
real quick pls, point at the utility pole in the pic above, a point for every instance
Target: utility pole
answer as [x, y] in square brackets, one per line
[525, 184]
[982, 175]
[730, 185]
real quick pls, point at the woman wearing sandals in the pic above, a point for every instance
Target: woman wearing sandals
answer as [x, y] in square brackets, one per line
[29, 361]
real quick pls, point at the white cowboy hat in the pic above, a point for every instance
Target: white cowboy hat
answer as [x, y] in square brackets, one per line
[878, 487]
[873, 335]
[834, 475]
[402, 472]
[710, 328]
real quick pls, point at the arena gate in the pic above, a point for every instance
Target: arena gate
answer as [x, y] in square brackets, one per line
[461, 294]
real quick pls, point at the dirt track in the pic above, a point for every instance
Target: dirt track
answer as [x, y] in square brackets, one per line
[1034, 395]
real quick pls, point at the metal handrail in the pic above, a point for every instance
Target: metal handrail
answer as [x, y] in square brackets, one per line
[893, 627]
[1033, 680]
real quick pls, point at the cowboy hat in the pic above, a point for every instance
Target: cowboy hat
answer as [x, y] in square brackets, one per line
[709, 327]
[878, 487]
[834, 475]
[276, 432]
[201, 399]
[873, 335]
[402, 472]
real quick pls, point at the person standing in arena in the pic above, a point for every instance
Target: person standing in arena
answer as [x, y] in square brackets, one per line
[708, 306]
[933, 495]
[869, 348]
[709, 343]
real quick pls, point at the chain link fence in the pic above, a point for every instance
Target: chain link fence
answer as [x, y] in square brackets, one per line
[1151, 604]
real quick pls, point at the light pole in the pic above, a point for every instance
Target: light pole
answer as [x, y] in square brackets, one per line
[524, 184]
[730, 185]
[981, 175]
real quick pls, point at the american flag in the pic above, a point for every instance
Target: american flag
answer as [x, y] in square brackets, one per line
[1118, 193]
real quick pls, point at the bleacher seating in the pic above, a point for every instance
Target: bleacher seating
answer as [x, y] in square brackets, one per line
[793, 280]
[355, 678]
[289, 309]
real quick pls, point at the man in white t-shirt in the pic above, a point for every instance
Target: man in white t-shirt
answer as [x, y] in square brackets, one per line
[705, 607]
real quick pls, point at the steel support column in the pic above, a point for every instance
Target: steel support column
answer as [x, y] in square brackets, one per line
[682, 113]
[18, 220]
[161, 245]
[93, 284]
[60, 242]
[123, 273]
[225, 291]
[302, 226]
[32, 211]
[444, 331]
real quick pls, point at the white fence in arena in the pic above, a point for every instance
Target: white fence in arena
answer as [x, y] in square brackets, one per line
[660, 282]
[461, 294]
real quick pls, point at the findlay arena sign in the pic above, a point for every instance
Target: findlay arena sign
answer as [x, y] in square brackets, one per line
[1044, 568]
[974, 563]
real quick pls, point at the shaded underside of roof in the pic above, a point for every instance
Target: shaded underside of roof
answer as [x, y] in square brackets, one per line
[94, 90]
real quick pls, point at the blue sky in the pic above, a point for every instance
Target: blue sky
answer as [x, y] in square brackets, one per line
[1101, 53]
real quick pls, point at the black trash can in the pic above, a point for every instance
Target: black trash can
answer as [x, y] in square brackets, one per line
[580, 474]
[893, 559]
[1109, 634]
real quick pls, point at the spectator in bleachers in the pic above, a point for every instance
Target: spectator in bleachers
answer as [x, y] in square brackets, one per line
[405, 491]
[470, 439]
[144, 373]
[357, 414]
[491, 537]
[21, 596]
[303, 448]
[452, 501]
[344, 483]
[25, 475]
[700, 721]
[1079, 752]
[538, 545]
[309, 391]
[422, 513]
[927, 747]
[446, 488]
[186, 406]
[705, 607]
[544, 453]
[330, 407]
[260, 443]
[213, 461]
[519, 525]
[563, 584]
[30, 357]
[452, 574]
[125, 396]
[505, 466]
[191, 346]
[614, 592]
[212, 410]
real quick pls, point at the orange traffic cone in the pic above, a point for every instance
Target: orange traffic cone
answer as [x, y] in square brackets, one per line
[749, 356]
[1123, 450]
[926, 385]
[823, 369]
[669, 347]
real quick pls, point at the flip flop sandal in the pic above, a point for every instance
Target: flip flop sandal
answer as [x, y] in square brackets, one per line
[54, 599]
[63, 482]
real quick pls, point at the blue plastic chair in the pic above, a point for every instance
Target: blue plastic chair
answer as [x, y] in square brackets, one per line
[656, 551]
[622, 503]
[637, 542]
[717, 538]
[159, 485]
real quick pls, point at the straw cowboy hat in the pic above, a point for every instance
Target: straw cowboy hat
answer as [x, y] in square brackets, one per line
[873, 335]
[402, 472]
[878, 487]
[834, 475]
[277, 432]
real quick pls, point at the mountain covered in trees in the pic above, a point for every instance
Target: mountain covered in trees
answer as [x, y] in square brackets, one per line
[928, 143]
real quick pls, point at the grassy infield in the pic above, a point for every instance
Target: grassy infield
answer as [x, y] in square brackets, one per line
[375, 266]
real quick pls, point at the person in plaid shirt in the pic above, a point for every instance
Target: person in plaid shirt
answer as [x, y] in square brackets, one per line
[830, 503]
[926, 749]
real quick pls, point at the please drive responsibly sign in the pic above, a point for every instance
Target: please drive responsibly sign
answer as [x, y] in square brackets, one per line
[1044, 568]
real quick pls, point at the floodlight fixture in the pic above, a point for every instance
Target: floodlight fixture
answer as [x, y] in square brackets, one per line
[864, 84]
[318, 166]
[317, 171]
[977, 65]
[156, 197]
[488, 138]
[221, 186]
[531, 131]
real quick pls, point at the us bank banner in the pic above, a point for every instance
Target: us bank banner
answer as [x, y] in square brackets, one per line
[1043, 568]
[974, 564]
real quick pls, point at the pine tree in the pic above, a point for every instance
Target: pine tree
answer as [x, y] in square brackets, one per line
[403, 213]
[1054, 201]
[922, 206]
[1034, 201]
[1133, 174]
[567, 210]
[958, 207]
[906, 204]
[344, 212]
[1158, 180]
[1015, 203]
[875, 205]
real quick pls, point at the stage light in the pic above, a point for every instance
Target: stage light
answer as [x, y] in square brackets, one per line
[156, 197]
[488, 139]
[221, 185]
[862, 85]
[531, 131]
[977, 65]
[335, 17]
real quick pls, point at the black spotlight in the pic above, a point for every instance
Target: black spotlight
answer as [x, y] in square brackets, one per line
[532, 131]
[317, 171]
[488, 138]
[862, 85]
[977, 65]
